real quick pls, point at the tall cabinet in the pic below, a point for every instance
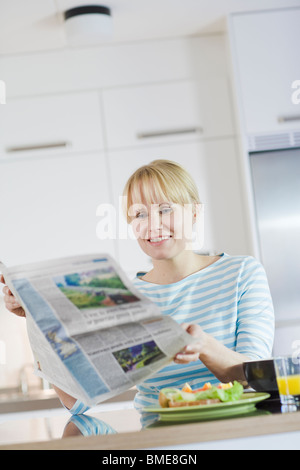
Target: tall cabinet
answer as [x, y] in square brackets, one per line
[265, 50]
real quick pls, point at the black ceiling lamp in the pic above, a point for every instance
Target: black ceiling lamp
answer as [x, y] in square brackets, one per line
[88, 24]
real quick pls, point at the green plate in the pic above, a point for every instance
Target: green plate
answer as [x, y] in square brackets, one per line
[244, 405]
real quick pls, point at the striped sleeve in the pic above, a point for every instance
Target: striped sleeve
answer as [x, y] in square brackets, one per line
[255, 315]
[91, 426]
[78, 408]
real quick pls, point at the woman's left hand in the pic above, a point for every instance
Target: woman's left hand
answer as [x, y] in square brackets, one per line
[192, 351]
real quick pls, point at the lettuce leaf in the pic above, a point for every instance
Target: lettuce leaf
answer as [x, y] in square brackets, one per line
[231, 394]
[225, 395]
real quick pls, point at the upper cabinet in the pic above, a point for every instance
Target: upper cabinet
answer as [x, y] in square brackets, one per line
[51, 124]
[168, 112]
[265, 47]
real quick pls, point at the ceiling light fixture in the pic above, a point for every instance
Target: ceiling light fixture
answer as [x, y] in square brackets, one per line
[88, 24]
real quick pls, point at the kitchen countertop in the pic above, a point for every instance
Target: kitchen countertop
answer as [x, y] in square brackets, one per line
[13, 401]
[117, 426]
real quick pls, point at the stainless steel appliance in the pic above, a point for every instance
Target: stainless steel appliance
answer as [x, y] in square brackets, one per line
[276, 186]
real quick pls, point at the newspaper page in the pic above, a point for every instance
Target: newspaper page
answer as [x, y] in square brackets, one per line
[92, 333]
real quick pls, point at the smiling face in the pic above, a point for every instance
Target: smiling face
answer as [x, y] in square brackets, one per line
[163, 229]
[160, 209]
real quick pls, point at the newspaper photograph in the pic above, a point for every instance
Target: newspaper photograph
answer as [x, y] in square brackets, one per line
[92, 333]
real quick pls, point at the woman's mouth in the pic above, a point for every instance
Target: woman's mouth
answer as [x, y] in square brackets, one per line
[155, 241]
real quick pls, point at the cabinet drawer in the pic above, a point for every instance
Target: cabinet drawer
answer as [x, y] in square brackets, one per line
[167, 112]
[52, 124]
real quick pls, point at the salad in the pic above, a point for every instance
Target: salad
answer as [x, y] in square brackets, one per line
[208, 394]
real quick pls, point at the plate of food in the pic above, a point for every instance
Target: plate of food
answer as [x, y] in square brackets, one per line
[207, 403]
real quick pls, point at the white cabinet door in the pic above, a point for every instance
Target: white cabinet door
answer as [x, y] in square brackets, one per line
[48, 207]
[50, 125]
[266, 55]
[214, 167]
[165, 113]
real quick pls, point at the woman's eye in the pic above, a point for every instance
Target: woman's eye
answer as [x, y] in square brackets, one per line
[141, 215]
[165, 210]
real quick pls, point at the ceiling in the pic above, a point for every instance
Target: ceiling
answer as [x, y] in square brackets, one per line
[37, 25]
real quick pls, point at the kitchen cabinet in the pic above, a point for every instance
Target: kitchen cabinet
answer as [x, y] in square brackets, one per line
[213, 164]
[48, 207]
[50, 125]
[266, 64]
[167, 112]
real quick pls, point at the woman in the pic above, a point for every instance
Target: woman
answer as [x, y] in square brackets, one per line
[223, 301]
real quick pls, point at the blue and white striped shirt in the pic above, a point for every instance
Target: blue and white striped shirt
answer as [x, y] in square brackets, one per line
[230, 299]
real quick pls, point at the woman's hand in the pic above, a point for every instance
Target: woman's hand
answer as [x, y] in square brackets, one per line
[10, 301]
[192, 351]
[224, 363]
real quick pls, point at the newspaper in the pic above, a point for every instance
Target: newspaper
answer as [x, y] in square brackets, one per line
[92, 333]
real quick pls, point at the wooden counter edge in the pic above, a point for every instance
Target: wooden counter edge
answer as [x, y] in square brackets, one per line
[172, 435]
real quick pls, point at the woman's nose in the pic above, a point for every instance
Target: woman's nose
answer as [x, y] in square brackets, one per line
[154, 220]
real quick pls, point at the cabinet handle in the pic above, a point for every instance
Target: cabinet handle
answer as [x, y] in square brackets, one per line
[166, 132]
[26, 148]
[289, 118]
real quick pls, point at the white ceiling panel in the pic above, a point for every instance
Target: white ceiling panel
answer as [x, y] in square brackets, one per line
[37, 25]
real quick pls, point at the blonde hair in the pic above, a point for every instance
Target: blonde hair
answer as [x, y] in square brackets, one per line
[157, 181]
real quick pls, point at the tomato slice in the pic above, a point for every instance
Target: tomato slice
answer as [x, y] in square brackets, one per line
[225, 386]
[187, 388]
[206, 386]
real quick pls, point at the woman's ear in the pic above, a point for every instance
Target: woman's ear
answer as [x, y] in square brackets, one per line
[197, 209]
[198, 225]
